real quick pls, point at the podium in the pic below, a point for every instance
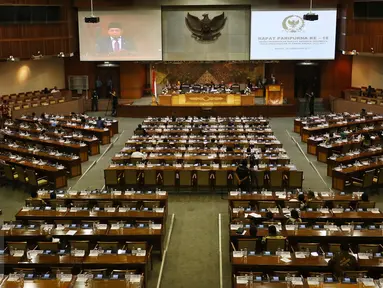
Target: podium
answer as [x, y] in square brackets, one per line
[274, 94]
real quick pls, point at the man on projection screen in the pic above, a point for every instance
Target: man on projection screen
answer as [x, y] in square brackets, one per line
[115, 44]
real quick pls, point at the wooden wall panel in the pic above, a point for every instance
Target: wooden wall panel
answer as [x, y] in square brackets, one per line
[336, 76]
[132, 80]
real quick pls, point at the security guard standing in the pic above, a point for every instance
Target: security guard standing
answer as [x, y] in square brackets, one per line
[94, 101]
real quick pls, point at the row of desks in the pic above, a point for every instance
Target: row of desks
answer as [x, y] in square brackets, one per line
[72, 165]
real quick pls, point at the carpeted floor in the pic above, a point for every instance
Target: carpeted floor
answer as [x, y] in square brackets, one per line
[193, 254]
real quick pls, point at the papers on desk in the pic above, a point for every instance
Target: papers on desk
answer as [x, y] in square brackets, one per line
[83, 193]
[313, 281]
[234, 193]
[283, 254]
[71, 232]
[159, 210]
[373, 210]
[79, 253]
[285, 260]
[26, 209]
[254, 215]
[156, 226]
[296, 281]
[66, 277]
[115, 226]
[235, 227]
[337, 210]
[364, 256]
[368, 282]
[61, 209]
[18, 253]
[345, 228]
[300, 255]
[290, 227]
[324, 210]
[314, 254]
[102, 226]
[242, 279]
[237, 254]
[6, 227]
[72, 193]
[161, 193]
[122, 209]
[110, 209]
[94, 253]
[117, 193]
[141, 253]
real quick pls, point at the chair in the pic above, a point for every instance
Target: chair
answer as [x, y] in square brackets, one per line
[274, 244]
[312, 247]
[36, 222]
[54, 203]
[150, 178]
[169, 178]
[129, 204]
[365, 182]
[80, 203]
[34, 202]
[249, 244]
[295, 179]
[104, 204]
[64, 270]
[284, 274]
[315, 204]
[292, 204]
[143, 246]
[108, 245]
[221, 179]
[130, 177]
[112, 178]
[53, 246]
[95, 272]
[21, 174]
[17, 245]
[354, 274]
[341, 204]
[365, 248]
[366, 205]
[34, 181]
[151, 204]
[266, 204]
[79, 245]
[276, 179]
[244, 204]
[334, 247]
[203, 178]
[62, 222]
[258, 179]
[9, 174]
[378, 180]
[185, 178]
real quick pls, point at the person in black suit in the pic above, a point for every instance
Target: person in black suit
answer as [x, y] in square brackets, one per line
[114, 43]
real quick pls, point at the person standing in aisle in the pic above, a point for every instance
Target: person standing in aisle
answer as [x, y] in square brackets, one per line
[114, 103]
[94, 100]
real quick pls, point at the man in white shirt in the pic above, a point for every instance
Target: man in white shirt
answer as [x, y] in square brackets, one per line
[55, 90]
[137, 153]
[114, 43]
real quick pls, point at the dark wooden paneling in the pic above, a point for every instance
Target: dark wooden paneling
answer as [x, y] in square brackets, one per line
[132, 79]
[24, 40]
[335, 76]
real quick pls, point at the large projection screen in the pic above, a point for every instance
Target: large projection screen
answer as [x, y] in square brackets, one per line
[284, 35]
[126, 35]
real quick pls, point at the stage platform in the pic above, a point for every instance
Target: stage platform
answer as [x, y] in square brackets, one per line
[141, 111]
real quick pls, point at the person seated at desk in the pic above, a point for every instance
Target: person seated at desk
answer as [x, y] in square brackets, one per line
[140, 131]
[35, 196]
[294, 218]
[55, 90]
[329, 138]
[302, 201]
[311, 196]
[369, 91]
[363, 113]
[343, 261]
[273, 234]
[43, 117]
[364, 197]
[137, 153]
[270, 218]
[100, 123]
[45, 91]
[366, 141]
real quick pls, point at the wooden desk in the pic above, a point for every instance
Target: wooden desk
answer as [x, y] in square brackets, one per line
[308, 132]
[309, 264]
[73, 166]
[339, 178]
[50, 216]
[284, 284]
[55, 176]
[345, 160]
[102, 135]
[77, 149]
[93, 144]
[200, 99]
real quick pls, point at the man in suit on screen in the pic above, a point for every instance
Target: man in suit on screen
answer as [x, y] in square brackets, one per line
[115, 43]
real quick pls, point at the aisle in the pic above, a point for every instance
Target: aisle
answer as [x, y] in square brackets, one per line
[311, 178]
[193, 254]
